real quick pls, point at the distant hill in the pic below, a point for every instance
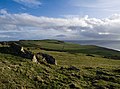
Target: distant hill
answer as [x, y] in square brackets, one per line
[56, 45]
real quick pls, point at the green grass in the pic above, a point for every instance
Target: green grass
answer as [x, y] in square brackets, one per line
[54, 45]
[95, 72]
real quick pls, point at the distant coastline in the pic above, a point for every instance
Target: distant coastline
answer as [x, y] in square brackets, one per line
[112, 44]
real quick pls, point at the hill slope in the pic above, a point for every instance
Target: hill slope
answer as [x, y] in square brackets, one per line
[79, 67]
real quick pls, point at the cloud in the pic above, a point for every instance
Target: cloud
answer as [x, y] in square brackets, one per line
[26, 26]
[3, 11]
[60, 36]
[29, 3]
[96, 3]
[106, 7]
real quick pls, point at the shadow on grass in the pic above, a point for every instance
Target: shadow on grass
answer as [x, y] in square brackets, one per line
[8, 50]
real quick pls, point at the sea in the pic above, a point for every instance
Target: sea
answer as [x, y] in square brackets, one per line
[111, 44]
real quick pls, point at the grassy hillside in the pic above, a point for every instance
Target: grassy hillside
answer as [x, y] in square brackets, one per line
[55, 45]
[79, 67]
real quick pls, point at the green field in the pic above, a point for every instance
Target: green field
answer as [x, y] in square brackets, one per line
[96, 67]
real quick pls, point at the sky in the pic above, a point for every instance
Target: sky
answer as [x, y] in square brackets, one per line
[59, 19]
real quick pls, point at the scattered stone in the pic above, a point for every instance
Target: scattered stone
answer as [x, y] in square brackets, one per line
[90, 55]
[70, 68]
[34, 59]
[73, 68]
[22, 49]
[88, 67]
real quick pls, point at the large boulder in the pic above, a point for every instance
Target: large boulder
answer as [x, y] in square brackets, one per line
[27, 54]
[48, 58]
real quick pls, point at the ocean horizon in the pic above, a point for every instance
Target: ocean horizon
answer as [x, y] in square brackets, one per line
[111, 44]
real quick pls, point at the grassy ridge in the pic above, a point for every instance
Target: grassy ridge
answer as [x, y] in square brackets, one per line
[95, 72]
[54, 45]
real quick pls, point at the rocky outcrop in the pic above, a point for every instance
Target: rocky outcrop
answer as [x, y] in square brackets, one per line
[16, 48]
[48, 58]
[19, 50]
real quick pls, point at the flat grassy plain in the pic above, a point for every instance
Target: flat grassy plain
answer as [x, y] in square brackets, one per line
[79, 67]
